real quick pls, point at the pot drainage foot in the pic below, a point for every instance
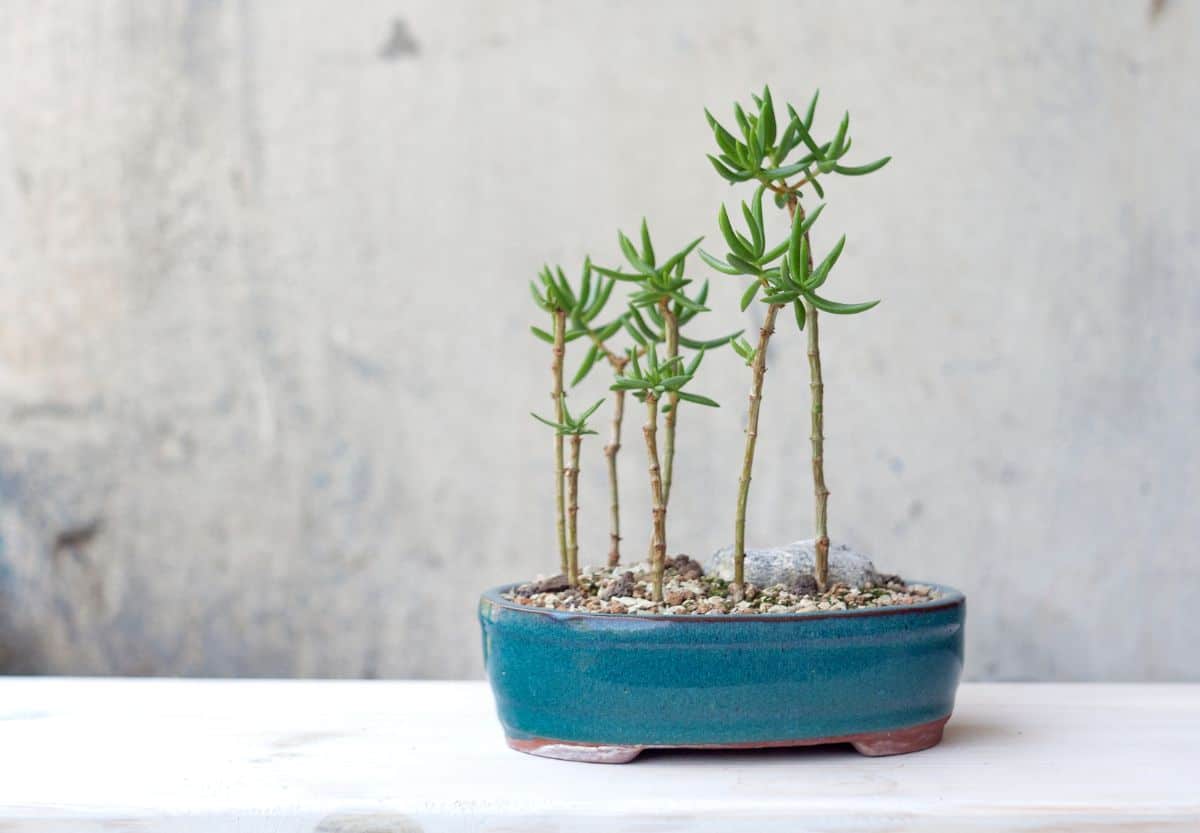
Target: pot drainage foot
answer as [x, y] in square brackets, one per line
[565, 751]
[900, 741]
[871, 744]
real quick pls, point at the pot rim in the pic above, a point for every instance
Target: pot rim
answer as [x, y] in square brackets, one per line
[951, 597]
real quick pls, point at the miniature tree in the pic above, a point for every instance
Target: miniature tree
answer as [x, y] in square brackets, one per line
[599, 336]
[762, 155]
[660, 293]
[575, 428]
[650, 385]
[561, 301]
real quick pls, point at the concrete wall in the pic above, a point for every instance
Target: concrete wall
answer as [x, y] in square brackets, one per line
[264, 367]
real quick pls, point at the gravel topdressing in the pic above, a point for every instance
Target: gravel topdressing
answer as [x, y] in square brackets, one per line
[687, 590]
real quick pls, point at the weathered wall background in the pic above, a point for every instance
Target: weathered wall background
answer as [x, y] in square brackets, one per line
[264, 368]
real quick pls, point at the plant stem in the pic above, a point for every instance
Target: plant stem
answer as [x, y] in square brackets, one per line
[671, 345]
[671, 334]
[659, 512]
[759, 368]
[821, 493]
[610, 452]
[572, 474]
[556, 368]
[817, 432]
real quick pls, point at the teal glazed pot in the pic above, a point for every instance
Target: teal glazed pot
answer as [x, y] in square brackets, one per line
[603, 687]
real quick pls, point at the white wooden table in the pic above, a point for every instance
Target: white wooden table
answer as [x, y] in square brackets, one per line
[400, 757]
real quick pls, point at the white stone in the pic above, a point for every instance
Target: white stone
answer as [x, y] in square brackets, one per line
[784, 565]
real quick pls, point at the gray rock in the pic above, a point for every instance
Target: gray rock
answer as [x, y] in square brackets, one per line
[785, 565]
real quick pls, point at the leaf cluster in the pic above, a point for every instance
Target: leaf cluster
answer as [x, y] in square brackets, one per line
[571, 425]
[793, 279]
[644, 321]
[657, 282]
[581, 303]
[762, 151]
[658, 378]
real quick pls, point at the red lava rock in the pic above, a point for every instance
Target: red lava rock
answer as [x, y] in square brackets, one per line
[551, 585]
[805, 585]
[622, 586]
[686, 566]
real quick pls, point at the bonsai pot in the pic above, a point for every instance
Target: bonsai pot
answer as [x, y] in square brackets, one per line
[603, 687]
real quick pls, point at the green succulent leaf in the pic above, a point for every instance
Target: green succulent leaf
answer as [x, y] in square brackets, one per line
[632, 330]
[598, 302]
[563, 286]
[860, 170]
[812, 110]
[786, 170]
[687, 303]
[609, 330]
[738, 245]
[837, 308]
[727, 173]
[632, 255]
[717, 264]
[641, 324]
[798, 309]
[805, 136]
[725, 140]
[756, 232]
[647, 246]
[676, 260]
[785, 275]
[697, 399]
[542, 334]
[583, 417]
[707, 344]
[822, 271]
[555, 425]
[781, 298]
[586, 365]
[771, 254]
[840, 136]
[744, 123]
[766, 120]
[748, 295]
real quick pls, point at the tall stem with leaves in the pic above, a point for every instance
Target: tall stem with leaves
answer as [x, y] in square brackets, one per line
[610, 454]
[594, 296]
[556, 370]
[758, 365]
[658, 509]
[659, 308]
[573, 428]
[553, 294]
[572, 477]
[817, 417]
[650, 385]
[761, 155]
[671, 331]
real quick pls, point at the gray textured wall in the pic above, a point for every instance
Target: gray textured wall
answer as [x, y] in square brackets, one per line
[247, 428]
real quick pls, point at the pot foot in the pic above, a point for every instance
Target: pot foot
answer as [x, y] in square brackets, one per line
[900, 741]
[585, 752]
